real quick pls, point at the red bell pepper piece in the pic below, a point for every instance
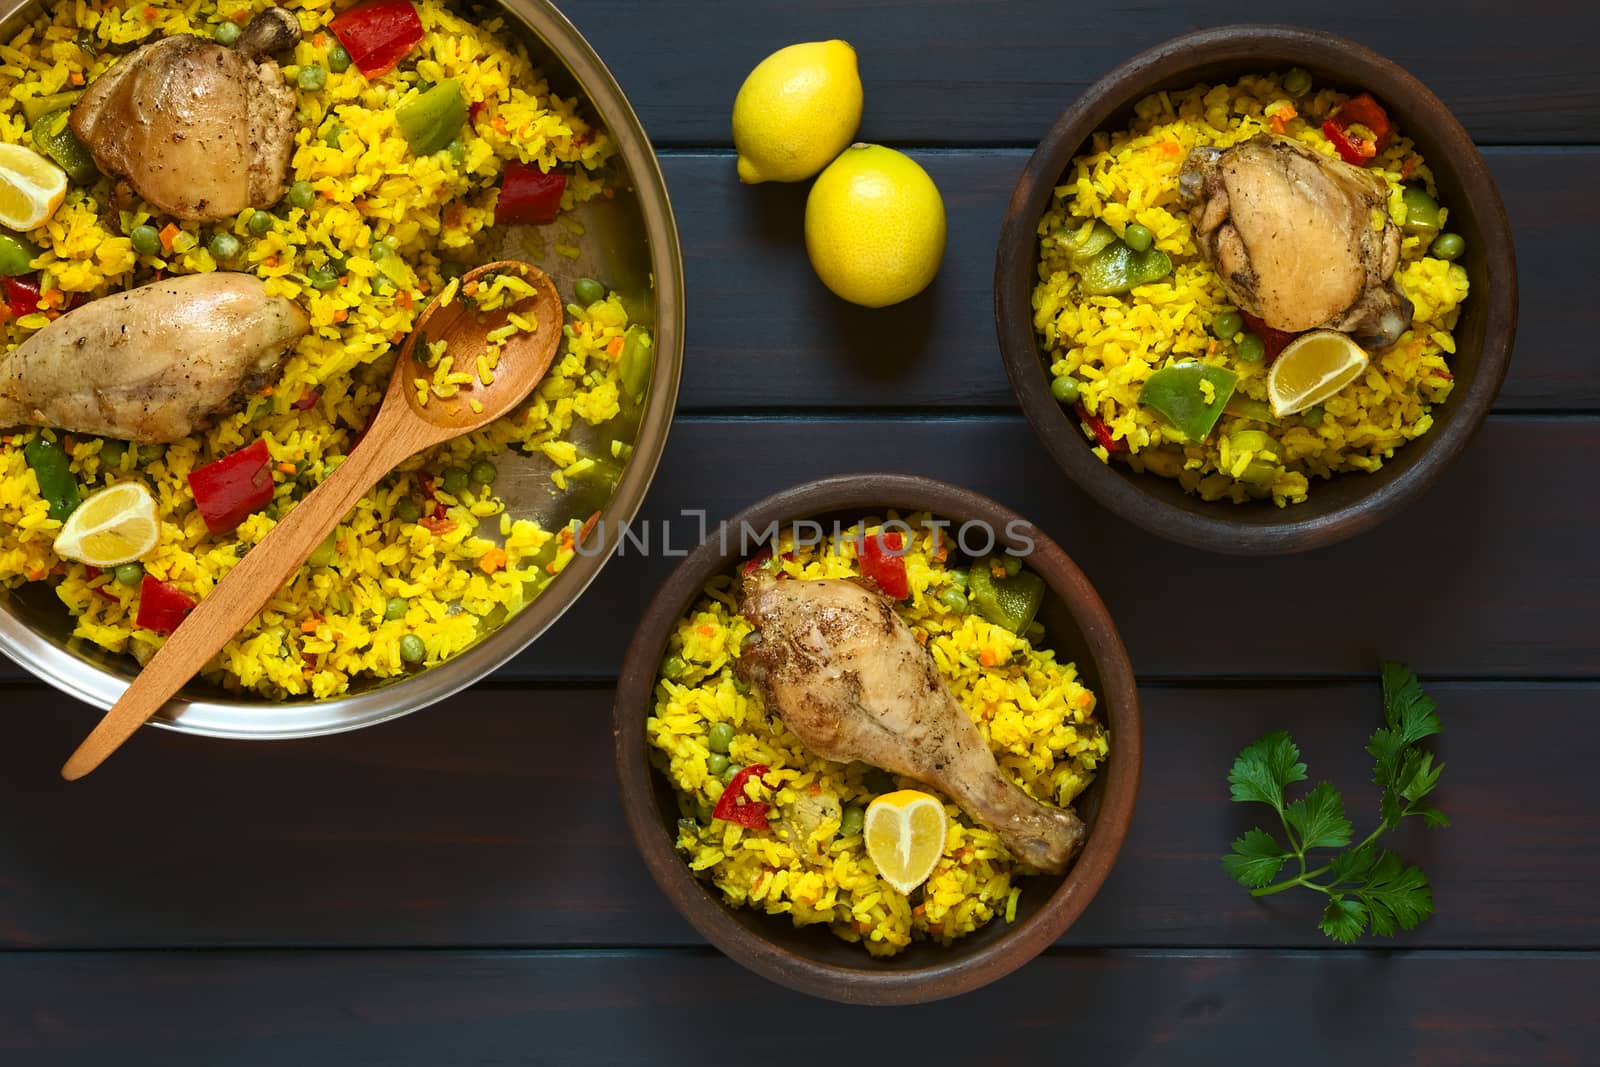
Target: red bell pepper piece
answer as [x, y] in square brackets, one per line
[1354, 147]
[880, 560]
[529, 196]
[161, 607]
[308, 400]
[22, 294]
[378, 34]
[234, 487]
[1272, 340]
[733, 806]
[1101, 431]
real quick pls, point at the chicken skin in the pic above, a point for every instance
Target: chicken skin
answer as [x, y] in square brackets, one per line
[150, 365]
[852, 683]
[199, 131]
[1290, 232]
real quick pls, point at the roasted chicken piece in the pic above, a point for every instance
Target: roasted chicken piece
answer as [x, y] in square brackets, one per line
[852, 683]
[1291, 234]
[200, 131]
[153, 364]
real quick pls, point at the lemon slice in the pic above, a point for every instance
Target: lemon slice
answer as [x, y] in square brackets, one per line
[114, 526]
[31, 188]
[905, 834]
[1312, 368]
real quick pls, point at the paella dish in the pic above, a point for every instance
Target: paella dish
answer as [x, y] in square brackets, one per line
[870, 732]
[1250, 287]
[219, 220]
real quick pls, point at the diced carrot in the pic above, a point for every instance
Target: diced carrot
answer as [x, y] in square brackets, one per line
[492, 560]
[150, 13]
[310, 625]
[706, 631]
[76, 77]
[286, 468]
[168, 235]
[405, 299]
[1172, 149]
[341, 315]
[614, 349]
[267, 390]
[500, 125]
[320, 40]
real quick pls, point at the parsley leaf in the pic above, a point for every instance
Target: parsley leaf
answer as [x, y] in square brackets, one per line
[1255, 860]
[1367, 887]
[1263, 770]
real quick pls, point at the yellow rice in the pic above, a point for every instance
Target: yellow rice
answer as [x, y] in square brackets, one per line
[1033, 712]
[459, 576]
[1112, 344]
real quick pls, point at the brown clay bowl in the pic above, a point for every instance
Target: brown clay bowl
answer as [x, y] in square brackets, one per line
[813, 960]
[1349, 503]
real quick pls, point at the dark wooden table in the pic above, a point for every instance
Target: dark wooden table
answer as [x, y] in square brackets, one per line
[458, 887]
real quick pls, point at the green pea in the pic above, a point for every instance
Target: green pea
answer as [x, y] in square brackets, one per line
[672, 668]
[458, 152]
[959, 577]
[1065, 389]
[589, 291]
[1139, 238]
[16, 256]
[1448, 246]
[302, 194]
[731, 773]
[335, 132]
[720, 737]
[148, 454]
[130, 574]
[324, 554]
[954, 599]
[260, 223]
[704, 812]
[716, 763]
[224, 246]
[484, 473]
[322, 279]
[851, 820]
[227, 33]
[379, 251]
[406, 509]
[338, 59]
[395, 609]
[412, 650]
[1251, 348]
[1012, 565]
[111, 453]
[1297, 82]
[1226, 324]
[455, 480]
[313, 79]
[146, 240]
[1313, 416]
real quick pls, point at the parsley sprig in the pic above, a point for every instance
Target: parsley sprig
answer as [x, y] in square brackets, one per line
[1365, 885]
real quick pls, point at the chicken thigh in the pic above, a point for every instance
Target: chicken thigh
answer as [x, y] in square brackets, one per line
[200, 131]
[1291, 234]
[852, 683]
[153, 364]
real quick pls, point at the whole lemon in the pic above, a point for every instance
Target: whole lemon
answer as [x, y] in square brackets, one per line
[796, 111]
[875, 226]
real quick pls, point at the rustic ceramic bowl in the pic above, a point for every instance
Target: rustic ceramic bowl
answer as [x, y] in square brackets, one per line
[1349, 503]
[812, 959]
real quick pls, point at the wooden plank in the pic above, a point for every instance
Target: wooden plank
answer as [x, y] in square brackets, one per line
[472, 1008]
[1492, 574]
[763, 333]
[951, 72]
[492, 820]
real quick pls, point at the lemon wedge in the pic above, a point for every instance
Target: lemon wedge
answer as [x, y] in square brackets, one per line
[31, 188]
[1312, 368]
[905, 833]
[114, 526]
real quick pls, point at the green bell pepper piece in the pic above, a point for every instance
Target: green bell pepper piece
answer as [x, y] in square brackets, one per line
[1118, 268]
[634, 363]
[17, 254]
[1175, 392]
[37, 107]
[1009, 602]
[53, 469]
[54, 138]
[431, 121]
[1422, 211]
[1259, 473]
[1245, 407]
[1085, 244]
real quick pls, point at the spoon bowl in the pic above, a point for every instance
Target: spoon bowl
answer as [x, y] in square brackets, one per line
[414, 415]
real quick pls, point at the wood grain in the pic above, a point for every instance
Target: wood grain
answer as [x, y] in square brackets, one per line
[479, 1008]
[492, 820]
[952, 72]
[764, 335]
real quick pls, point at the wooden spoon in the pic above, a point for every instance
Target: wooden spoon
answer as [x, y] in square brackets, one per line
[403, 427]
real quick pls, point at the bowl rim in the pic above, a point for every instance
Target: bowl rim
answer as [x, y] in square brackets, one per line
[1265, 46]
[865, 984]
[57, 665]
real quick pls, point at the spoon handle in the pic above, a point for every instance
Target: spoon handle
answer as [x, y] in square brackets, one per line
[235, 600]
